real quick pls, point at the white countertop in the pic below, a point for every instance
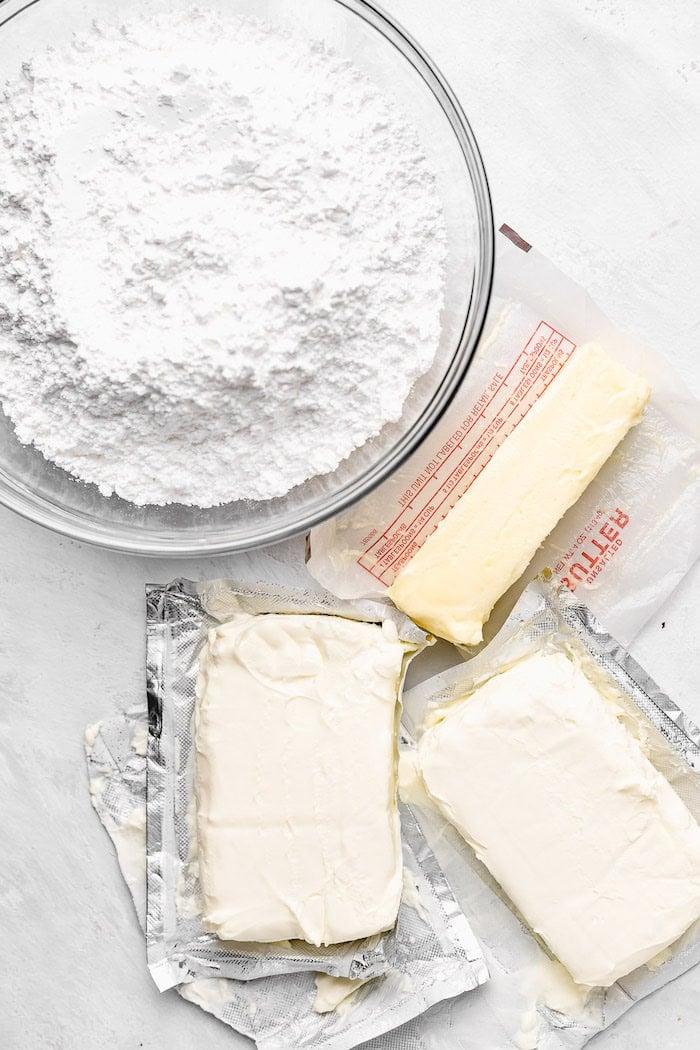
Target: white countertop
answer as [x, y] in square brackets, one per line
[587, 114]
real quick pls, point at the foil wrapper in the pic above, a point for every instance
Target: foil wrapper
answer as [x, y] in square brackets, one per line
[436, 953]
[531, 1001]
[179, 949]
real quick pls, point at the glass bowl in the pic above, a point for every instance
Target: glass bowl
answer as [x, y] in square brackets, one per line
[360, 32]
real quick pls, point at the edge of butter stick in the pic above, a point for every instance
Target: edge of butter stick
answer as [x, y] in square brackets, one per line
[491, 534]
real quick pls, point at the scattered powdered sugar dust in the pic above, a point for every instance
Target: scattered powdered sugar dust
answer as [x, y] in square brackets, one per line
[222, 258]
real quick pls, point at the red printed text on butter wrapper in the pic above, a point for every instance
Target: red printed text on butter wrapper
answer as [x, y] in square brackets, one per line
[592, 549]
[453, 467]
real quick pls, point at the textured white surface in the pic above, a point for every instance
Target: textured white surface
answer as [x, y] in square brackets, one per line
[587, 115]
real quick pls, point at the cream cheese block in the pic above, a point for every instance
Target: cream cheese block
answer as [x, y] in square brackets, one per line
[296, 750]
[586, 837]
[488, 538]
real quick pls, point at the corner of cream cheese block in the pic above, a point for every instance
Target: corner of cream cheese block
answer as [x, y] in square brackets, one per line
[587, 838]
[486, 541]
[297, 815]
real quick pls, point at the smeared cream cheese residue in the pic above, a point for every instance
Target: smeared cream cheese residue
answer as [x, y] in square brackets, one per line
[139, 737]
[549, 984]
[411, 894]
[335, 993]
[527, 1036]
[411, 787]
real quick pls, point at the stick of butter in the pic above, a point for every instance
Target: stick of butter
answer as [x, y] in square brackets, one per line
[586, 837]
[488, 538]
[297, 817]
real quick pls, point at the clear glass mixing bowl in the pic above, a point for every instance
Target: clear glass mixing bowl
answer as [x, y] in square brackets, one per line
[360, 32]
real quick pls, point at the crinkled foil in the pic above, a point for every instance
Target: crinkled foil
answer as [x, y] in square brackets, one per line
[437, 956]
[179, 949]
[530, 1000]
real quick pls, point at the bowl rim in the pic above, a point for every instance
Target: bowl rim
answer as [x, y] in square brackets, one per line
[171, 543]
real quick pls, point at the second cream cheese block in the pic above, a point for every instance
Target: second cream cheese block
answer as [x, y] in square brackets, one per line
[488, 538]
[587, 838]
[297, 819]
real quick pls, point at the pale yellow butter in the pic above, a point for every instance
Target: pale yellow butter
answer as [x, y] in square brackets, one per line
[487, 540]
[587, 838]
[297, 816]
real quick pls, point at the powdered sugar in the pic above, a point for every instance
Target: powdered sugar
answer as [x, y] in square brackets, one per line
[221, 258]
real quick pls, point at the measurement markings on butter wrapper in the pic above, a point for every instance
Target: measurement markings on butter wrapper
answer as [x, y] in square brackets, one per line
[455, 466]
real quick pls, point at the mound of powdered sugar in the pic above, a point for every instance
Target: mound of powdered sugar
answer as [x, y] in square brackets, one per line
[221, 258]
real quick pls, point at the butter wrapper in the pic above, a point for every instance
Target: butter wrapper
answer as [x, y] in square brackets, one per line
[531, 1001]
[621, 552]
[179, 949]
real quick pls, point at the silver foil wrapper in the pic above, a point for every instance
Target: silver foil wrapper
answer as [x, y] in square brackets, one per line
[436, 954]
[179, 949]
[437, 957]
[531, 1002]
